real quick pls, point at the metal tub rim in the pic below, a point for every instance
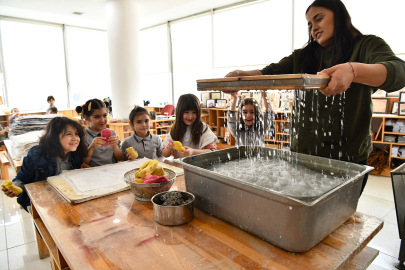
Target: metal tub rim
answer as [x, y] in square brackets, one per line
[317, 199]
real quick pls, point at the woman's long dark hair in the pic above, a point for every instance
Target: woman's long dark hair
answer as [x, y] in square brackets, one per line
[188, 102]
[50, 143]
[344, 37]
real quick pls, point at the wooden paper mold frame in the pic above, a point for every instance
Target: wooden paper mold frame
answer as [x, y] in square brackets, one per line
[380, 105]
[264, 82]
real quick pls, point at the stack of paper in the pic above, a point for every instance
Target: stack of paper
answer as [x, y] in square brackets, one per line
[21, 144]
[401, 139]
[393, 125]
[401, 151]
[390, 138]
[24, 124]
[394, 151]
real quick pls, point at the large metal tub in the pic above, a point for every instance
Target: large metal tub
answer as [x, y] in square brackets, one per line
[293, 223]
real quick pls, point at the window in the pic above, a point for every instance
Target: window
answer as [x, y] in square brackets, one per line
[34, 65]
[89, 68]
[300, 23]
[252, 36]
[191, 54]
[156, 77]
[369, 17]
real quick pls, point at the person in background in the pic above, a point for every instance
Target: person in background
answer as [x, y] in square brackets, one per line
[190, 130]
[51, 101]
[3, 135]
[14, 114]
[62, 147]
[250, 127]
[53, 110]
[335, 122]
[95, 112]
[146, 144]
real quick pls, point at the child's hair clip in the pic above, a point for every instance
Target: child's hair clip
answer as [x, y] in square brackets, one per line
[89, 109]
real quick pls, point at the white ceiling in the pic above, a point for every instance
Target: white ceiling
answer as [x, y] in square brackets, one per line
[152, 11]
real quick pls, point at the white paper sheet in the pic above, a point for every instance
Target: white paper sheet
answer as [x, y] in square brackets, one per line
[100, 177]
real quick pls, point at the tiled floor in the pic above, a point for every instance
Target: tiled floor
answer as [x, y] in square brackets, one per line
[18, 249]
[378, 200]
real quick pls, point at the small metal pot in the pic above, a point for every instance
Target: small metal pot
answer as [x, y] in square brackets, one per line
[173, 215]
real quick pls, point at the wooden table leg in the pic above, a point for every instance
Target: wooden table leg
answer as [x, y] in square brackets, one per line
[4, 164]
[43, 250]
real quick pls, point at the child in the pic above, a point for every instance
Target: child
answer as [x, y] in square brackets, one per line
[95, 112]
[51, 101]
[62, 147]
[195, 135]
[146, 144]
[3, 135]
[53, 110]
[14, 114]
[251, 129]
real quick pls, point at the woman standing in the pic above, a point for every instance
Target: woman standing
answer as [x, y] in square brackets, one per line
[335, 123]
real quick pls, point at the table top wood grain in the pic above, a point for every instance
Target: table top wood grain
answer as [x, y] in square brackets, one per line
[119, 232]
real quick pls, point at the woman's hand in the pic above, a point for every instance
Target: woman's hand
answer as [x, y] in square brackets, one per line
[187, 152]
[6, 129]
[97, 142]
[341, 76]
[130, 156]
[84, 165]
[238, 73]
[235, 73]
[9, 193]
[113, 141]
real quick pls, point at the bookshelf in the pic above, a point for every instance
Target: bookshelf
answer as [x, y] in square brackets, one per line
[379, 132]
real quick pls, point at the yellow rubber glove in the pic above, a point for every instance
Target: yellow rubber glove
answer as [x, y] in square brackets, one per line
[159, 171]
[144, 171]
[138, 180]
[178, 146]
[10, 186]
[132, 151]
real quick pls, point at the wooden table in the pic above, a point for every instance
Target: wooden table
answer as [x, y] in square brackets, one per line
[119, 232]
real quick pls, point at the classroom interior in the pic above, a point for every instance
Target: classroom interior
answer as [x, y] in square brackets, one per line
[72, 50]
